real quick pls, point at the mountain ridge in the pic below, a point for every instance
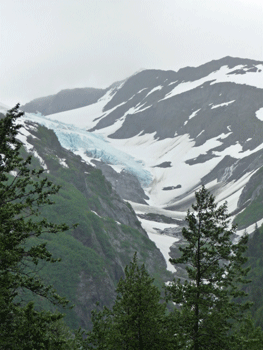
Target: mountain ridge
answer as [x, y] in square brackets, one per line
[37, 105]
[206, 122]
[66, 99]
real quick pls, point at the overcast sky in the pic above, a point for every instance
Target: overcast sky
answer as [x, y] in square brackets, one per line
[50, 45]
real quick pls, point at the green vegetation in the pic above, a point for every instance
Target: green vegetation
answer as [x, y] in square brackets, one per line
[247, 336]
[137, 319]
[255, 262]
[252, 213]
[254, 210]
[214, 267]
[89, 248]
[22, 193]
[93, 255]
[34, 288]
[209, 312]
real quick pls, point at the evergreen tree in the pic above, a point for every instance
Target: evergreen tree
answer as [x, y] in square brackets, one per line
[214, 266]
[23, 192]
[247, 336]
[255, 262]
[137, 320]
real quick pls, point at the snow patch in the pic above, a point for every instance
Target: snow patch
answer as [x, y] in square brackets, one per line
[174, 82]
[63, 162]
[232, 191]
[194, 113]
[117, 168]
[146, 209]
[222, 104]
[141, 110]
[141, 90]
[259, 114]
[95, 213]
[221, 76]
[159, 87]
[162, 242]
[192, 116]
[236, 151]
[22, 136]
[13, 173]
[250, 228]
[86, 117]
[200, 133]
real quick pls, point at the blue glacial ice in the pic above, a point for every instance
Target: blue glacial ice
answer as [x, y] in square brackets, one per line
[93, 145]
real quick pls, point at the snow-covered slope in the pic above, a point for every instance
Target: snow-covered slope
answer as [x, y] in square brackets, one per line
[175, 131]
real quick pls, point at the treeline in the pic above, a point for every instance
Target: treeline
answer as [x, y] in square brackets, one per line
[209, 310]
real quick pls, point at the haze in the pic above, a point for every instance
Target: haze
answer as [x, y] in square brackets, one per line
[47, 46]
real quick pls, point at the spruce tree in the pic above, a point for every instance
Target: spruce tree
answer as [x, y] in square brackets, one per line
[138, 313]
[255, 262]
[247, 336]
[137, 320]
[214, 265]
[23, 192]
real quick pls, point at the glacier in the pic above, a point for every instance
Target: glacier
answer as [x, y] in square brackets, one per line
[89, 145]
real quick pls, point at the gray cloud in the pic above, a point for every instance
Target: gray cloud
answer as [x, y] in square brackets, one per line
[51, 45]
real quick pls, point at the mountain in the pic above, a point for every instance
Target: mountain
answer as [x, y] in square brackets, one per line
[159, 135]
[64, 100]
[173, 131]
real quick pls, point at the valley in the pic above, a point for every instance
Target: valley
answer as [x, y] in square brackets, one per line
[130, 159]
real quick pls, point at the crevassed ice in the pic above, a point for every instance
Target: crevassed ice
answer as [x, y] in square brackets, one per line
[94, 145]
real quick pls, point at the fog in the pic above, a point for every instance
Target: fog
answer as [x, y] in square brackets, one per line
[47, 46]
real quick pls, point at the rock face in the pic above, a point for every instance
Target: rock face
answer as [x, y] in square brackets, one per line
[125, 184]
[94, 254]
[64, 100]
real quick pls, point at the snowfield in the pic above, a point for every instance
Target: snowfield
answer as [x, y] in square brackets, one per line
[143, 154]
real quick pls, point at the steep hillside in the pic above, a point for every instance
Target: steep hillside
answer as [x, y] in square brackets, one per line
[255, 262]
[95, 253]
[64, 100]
